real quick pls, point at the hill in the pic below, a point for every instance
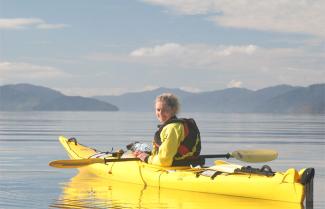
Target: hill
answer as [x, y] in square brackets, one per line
[275, 99]
[26, 97]
[141, 101]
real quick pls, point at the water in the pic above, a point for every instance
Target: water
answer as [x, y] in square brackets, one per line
[28, 141]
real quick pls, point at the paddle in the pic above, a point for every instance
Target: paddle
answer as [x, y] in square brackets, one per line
[252, 156]
[76, 163]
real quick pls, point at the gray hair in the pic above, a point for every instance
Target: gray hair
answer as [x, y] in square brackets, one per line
[170, 100]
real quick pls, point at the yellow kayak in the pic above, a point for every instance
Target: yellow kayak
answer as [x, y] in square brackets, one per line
[88, 191]
[288, 186]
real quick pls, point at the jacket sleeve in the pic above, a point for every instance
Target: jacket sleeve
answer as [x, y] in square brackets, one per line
[171, 137]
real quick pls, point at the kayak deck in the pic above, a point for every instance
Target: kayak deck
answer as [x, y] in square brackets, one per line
[282, 186]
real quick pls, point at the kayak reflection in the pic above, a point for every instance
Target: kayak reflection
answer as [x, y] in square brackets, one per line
[87, 191]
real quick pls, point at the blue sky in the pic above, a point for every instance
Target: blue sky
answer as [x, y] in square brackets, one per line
[104, 47]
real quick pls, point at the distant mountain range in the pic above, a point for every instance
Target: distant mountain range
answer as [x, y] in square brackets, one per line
[276, 99]
[26, 97]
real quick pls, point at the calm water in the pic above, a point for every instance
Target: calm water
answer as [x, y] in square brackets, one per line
[28, 141]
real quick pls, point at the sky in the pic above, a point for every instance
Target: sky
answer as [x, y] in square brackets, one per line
[110, 47]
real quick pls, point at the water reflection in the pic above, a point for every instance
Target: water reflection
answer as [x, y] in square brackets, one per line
[85, 191]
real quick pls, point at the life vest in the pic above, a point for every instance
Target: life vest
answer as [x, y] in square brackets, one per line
[190, 147]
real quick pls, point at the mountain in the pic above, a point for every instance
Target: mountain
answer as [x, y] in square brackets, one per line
[26, 97]
[216, 101]
[141, 101]
[275, 99]
[298, 100]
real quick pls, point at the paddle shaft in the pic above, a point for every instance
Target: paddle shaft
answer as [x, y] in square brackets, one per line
[252, 156]
[228, 155]
[120, 160]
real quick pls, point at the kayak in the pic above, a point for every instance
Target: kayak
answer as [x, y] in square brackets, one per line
[222, 179]
[88, 191]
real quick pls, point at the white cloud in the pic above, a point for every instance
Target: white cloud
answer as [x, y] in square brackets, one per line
[158, 51]
[229, 50]
[190, 89]
[179, 50]
[20, 23]
[16, 23]
[51, 26]
[210, 64]
[234, 84]
[219, 57]
[298, 16]
[191, 55]
[10, 71]
[173, 49]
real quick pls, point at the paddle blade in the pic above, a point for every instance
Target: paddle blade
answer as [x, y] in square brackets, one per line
[75, 163]
[255, 156]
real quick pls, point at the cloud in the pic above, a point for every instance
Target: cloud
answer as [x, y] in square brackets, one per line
[174, 49]
[207, 64]
[179, 55]
[160, 50]
[17, 23]
[10, 71]
[229, 50]
[190, 89]
[296, 16]
[234, 84]
[190, 55]
[219, 57]
[21, 23]
[51, 26]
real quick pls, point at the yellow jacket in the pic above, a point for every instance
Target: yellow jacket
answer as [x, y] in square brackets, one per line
[171, 137]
